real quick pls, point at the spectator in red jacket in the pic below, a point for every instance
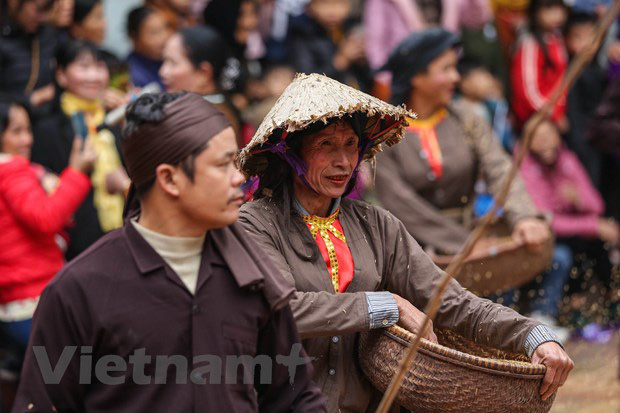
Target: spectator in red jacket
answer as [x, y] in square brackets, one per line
[540, 61]
[33, 210]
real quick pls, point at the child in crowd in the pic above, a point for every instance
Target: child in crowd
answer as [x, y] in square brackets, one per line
[273, 84]
[84, 76]
[540, 61]
[325, 40]
[34, 208]
[482, 93]
[560, 187]
[148, 33]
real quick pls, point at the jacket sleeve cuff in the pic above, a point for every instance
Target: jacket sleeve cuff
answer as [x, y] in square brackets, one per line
[539, 335]
[382, 309]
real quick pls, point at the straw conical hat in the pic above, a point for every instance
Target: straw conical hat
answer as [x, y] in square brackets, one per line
[317, 98]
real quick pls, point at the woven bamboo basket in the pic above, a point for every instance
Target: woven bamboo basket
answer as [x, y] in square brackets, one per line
[456, 375]
[501, 265]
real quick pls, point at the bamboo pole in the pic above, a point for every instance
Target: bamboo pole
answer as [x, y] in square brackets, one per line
[574, 70]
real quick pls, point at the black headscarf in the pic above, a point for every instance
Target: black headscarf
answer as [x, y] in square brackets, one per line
[413, 55]
[187, 124]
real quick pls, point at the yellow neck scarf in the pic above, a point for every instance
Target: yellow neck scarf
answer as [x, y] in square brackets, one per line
[323, 226]
[93, 109]
[109, 206]
[425, 128]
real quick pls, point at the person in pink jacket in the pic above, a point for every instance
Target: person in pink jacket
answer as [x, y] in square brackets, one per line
[559, 186]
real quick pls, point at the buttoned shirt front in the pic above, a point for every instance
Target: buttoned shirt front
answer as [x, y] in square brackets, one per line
[120, 298]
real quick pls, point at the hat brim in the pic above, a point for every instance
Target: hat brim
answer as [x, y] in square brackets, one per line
[317, 98]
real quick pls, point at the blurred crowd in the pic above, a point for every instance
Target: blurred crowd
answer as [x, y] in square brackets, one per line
[60, 87]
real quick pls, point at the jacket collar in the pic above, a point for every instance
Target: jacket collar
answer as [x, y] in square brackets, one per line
[238, 256]
[302, 211]
[146, 258]
[226, 242]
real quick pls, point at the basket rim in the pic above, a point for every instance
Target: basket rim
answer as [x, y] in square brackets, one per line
[500, 367]
[505, 246]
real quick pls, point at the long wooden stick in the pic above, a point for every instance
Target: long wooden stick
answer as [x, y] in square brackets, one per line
[575, 69]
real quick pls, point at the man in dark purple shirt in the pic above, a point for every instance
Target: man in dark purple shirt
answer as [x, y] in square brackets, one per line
[139, 324]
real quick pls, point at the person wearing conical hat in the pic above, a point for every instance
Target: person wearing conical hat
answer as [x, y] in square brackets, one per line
[354, 265]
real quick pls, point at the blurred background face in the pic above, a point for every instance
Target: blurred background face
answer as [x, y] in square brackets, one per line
[85, 77]
[152, 36]
[247, 21]
[330, 13]
[92, 28]
[62, 13]
[177, 72]
[278, 79]
[551, 18]
[479, 84]
[331, 156]
[579, 37]
[438, 82]
[546, 143]
[16, 138]
[29, 14]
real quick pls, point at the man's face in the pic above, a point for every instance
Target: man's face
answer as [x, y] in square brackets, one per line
[213, 199]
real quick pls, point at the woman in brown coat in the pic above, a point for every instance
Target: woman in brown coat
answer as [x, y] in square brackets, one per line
[428, 182]
[354, 266]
